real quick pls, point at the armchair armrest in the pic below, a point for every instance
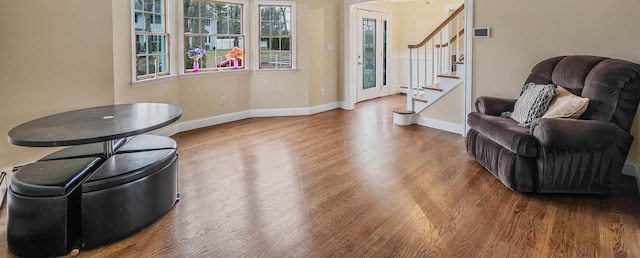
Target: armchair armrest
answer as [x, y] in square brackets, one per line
[573, 134]
[494, 106]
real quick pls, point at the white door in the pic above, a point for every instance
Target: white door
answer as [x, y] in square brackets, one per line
[372, 54]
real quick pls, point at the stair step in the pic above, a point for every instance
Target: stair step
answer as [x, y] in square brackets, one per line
[419, 99]
[449, 75]
[434, 87]
[402, 111]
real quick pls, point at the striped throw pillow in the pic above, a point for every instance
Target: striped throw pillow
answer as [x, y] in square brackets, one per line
[533, 102]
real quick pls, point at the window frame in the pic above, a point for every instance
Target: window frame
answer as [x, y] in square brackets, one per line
[256, 35]
[183, 47]
[166, 32]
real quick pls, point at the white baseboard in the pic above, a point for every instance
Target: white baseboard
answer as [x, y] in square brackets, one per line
[441, 125]
[273, 112]
[221, 119]
[279, 112]
[631, 169]
[324, 107]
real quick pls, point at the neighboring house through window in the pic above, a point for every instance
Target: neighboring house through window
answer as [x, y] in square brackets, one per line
[217, 27]
[276, 28]
[213, 36]
[150, 39]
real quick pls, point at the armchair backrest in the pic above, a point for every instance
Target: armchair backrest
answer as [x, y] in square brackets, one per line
[611, 85]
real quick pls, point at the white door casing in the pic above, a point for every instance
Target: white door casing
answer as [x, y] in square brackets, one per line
[371, 59]
[350, 96]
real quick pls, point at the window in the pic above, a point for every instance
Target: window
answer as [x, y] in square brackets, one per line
[150, 39]
[276, 41]
[213, 35]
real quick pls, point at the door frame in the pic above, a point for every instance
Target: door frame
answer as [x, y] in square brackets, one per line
[350, 86]
[385, 89]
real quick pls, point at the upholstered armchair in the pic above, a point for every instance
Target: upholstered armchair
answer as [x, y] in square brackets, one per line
[561, 155]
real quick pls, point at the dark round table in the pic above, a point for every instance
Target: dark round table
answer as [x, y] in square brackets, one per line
[96, 124]
[59, 205]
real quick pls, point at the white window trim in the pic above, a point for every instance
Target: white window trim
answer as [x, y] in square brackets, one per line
[255, 35]
[135, 82]
[152, 81]
[181, 50]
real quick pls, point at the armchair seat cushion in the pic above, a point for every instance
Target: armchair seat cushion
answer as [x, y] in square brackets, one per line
[506, 132]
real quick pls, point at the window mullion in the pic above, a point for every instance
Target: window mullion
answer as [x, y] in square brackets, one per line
[275, 21]
[151, 26]
[217, 29]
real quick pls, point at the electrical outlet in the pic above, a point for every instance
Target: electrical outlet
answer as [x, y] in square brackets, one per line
[223, 100]
[321, 92]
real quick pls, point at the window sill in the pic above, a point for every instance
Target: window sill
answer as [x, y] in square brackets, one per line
[283, 70]
[213, 73]
[145, 82]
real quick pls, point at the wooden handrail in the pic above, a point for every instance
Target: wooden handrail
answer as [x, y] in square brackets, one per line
[453, 39]
[442, 25]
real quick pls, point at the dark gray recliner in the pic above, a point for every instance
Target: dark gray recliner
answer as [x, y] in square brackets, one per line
[560, 155]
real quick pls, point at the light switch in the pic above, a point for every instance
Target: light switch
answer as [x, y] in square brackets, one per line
[482, 32]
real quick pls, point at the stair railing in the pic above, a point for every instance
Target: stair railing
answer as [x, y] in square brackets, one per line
[443, 55]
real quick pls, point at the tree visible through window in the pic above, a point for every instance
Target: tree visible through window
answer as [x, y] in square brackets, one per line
[275, 36]
[150, 35]
[216, 27]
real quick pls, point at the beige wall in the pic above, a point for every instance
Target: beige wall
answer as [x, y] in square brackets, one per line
[416, 20]
[323, 50]
[524, 33]
[199, 97]
[396, 19]
[164, 92]
[449, 108]
[287, 89]
[411, 23]
[53, 58]
[341, 50]
[62, 59]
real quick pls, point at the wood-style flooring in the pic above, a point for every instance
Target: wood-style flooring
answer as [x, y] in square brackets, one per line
[353, 184]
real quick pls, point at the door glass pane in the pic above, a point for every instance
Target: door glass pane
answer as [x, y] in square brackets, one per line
[384, 54]
[368, 53]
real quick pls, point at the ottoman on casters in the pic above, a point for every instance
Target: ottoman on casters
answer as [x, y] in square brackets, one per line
[43, 206]
[130, 191]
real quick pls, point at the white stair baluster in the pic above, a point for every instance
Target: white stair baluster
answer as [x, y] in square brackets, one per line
[426, 67]
[433, 63]
[410, 88]
[458, 37]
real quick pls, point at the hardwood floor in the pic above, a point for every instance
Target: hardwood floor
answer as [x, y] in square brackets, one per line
[353, 184]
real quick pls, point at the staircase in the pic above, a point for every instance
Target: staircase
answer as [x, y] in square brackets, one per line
[432, 68]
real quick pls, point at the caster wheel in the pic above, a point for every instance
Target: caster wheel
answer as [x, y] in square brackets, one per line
[75, 252]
